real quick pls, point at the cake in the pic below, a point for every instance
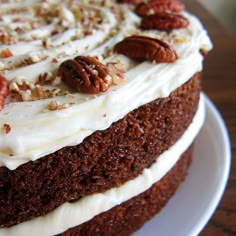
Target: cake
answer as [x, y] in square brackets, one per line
[100, 104]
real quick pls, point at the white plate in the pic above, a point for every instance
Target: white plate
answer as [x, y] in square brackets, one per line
[197, 198]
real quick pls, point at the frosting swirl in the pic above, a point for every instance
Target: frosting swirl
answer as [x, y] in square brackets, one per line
[65, 31]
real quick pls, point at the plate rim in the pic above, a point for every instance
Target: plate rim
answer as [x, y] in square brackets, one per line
[213, 118]
[213, 110]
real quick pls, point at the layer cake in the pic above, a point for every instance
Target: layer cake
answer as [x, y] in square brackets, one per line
[100, 103]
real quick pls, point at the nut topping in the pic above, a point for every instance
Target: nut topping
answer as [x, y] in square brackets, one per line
[54, 105]
[3, 91]
[203, 52]
[155, 6]
[7, 128]
[18, 84]
[22, 90]
[142, 47]
[116, 70]
[164, 21]
[85, 74]
[6, 53]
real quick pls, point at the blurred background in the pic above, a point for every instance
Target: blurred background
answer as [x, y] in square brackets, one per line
[224, 11]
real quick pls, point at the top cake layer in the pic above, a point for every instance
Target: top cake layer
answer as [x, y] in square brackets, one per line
[37, 37]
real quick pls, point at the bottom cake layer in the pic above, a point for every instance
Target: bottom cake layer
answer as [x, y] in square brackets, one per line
[126, 218]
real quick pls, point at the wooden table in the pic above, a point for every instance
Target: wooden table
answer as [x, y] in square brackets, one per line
[220, 85]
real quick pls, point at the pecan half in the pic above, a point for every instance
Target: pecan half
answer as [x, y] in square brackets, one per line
[155, 6]
[85, 74]
[164, 21]
[142, 47]
[3, 91]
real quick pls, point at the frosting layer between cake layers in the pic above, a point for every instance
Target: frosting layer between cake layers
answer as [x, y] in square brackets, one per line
[69, 215]
[31, 122]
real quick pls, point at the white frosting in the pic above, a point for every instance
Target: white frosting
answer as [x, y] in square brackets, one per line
[36, 131]
[71, 214]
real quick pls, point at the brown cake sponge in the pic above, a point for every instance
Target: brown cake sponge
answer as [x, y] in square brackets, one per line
[128, 217]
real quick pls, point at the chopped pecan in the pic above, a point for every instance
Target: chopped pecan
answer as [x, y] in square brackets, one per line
[164, 21]
[7, 128]
[155, 6]
[54, 105]
[3, 91]
[116, 70]
[18, 84]
[142, 47]
[85, 74]
[203, 52]
[26, 91]
[6, 53]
